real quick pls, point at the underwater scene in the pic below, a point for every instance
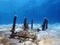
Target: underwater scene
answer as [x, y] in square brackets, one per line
[29, 22]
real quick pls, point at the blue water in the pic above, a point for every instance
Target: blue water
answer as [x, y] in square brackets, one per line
[32, 9]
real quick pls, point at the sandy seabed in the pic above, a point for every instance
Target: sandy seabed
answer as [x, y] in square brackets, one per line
[42, 39]
[48, 37]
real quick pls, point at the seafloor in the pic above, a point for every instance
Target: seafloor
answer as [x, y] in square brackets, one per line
[49, 37]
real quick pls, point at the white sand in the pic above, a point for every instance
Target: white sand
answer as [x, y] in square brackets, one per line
[48, 37]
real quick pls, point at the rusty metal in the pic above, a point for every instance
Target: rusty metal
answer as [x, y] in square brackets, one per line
[45, 24]
[14, 23]
[32, 24]
[13, 28]
[25, 24]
